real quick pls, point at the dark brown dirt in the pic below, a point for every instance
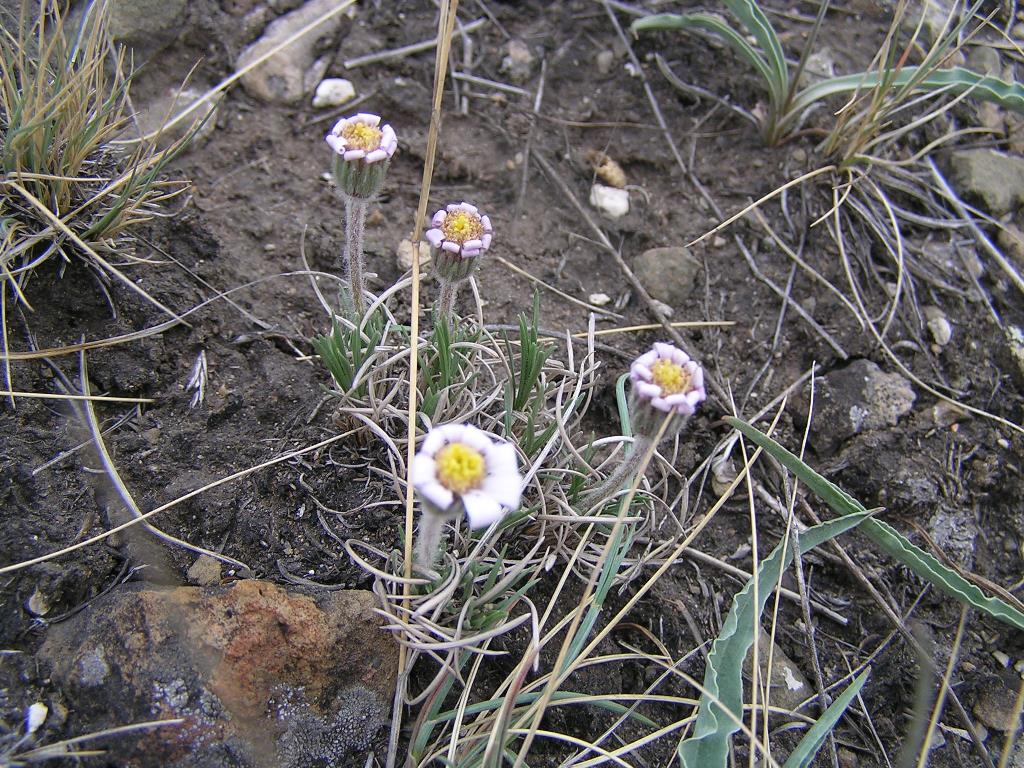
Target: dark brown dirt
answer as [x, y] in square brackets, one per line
[258, 199]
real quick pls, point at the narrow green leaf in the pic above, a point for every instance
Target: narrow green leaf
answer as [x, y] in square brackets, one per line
[893, 543]
[809, 745]
[721, 28]
[1009, 95]
[721, 704]
[754, 19]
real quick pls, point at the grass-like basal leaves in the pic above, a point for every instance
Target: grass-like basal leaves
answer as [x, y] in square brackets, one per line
[891, 541]
[809, 745]
[721, 704]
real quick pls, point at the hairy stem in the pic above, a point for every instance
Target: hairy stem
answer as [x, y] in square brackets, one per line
[446, 301]
[355, 219]
[625, 472]
[429, 539]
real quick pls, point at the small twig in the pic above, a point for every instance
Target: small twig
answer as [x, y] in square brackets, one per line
[406, 50]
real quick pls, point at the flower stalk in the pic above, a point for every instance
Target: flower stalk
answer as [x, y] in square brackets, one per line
[363, 150]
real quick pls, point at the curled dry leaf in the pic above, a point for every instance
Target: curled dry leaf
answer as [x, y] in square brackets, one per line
[609, 171]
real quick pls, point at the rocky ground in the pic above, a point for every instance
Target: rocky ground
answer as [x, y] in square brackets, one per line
[277, 657]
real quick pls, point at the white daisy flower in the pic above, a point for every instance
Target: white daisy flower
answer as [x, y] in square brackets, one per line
[460, 463]
[362, 137]
[668, 379]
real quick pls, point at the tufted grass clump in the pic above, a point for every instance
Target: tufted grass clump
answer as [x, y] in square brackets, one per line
[64, 192]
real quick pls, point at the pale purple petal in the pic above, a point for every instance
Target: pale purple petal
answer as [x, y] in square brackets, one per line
[646, 389]
[434, 237]
[376, 155]
[647, 359]
[439, 218]
[336, 142]
[472, 245]
[355, 154]
[485, 221]
[463, 206]
[468, 253]
[486, 240]
[338, 126]
[448, 245]
[367, 118]
[663, 350]
[661, 405]
[481, 509]
[638, 371]
[696, 375]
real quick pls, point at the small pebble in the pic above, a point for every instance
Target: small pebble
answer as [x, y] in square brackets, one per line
[605, 61]
[1002, 658]
[333, 92]
[610, 201]
[939, 325]
[599, 299]
[403, 255]
[205, 571]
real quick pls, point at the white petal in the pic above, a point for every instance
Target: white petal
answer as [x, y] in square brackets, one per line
[355, 154]
[437, 437]
[376, 155]
[506, 489]
[477, 439]
[436, 494]
[696, 375]
[502, 459]
[368, 119]
[338, 126]
[481, 509]
[424, 470]
[486, 240]
[434, 237]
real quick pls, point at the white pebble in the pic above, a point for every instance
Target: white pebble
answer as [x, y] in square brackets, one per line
[35, 716]
[599, 299]
[609, 200]
[333, 92]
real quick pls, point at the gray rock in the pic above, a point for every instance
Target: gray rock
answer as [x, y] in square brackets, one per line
[935, 13]
[261, 676]
[996, 704]
[994, 179]
[205, 571]
[788, 685]
[669, 274]
[855, 399]
[152, 115]
[147, 24]
[984, 60]
[292, 73]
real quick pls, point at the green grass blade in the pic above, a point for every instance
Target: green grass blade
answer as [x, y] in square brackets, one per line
[721, 704]
[721, 28]
[809, 745]
[1009, 95]
[754, 19]
[891, 541]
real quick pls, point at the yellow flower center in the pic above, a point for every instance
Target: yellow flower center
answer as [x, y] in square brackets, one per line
[670, 377]
[460, 468]
[362, 136]
[461, 227]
